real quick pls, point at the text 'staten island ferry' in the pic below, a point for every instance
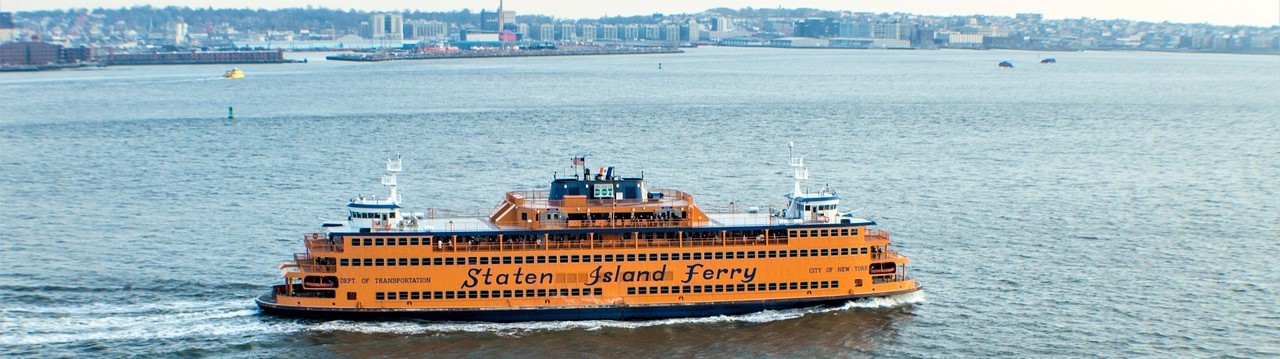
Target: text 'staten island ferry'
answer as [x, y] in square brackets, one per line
[598, 246]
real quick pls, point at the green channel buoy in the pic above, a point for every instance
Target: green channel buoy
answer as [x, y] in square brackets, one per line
[231, 112]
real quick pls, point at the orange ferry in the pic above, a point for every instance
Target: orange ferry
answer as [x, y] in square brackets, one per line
[590, 247]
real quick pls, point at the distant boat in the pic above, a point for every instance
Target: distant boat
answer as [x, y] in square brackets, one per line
[1005, 64]
[1049, 60]
[234, 73]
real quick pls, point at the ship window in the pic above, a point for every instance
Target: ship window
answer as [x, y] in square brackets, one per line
[719, 255]
[392, 295]
[507, 260]
[597, 258]
[813, 233]
[802, 233]
[414, 295]
[378, 262]
[631, 258]
[804, 253]
[608, 258]
[517, 260]
[751, 287]
[741, 287]
[836, 283]
[823, 233]
[368, 262]
[379, 296]
[448, 295]
[542, 292]
[697, 289]
[563, 259]
[484, 294]
[664, 257]
[773, 254]
[542, 259]
[519, 294]
[413, 241]
[598, 291]
[355, 241]
[351, 295]
[697, 256]
[719, 288]
[368, 241]
[530, 293]
[684, 256]
[864, 250]
[825, 252]
[743, 255]
[844, 251]
[642, 290]
[631, 290]
[343, 262]
[826, 284]
[484, 260]
[773, 286]
[471, 261]
[804, 285]
[551, 259]
[575, 258]
[404, 241]
[377, 242]
[405, 261]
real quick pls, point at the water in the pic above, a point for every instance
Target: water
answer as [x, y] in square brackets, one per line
[1109, 205]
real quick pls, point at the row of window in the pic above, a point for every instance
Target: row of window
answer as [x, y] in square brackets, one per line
[722, 288]
[485, 294]
[598, 258]
[578, 292]
[406, 241]
[415, 241]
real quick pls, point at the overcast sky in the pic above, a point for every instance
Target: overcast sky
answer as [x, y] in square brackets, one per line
[1218, 12]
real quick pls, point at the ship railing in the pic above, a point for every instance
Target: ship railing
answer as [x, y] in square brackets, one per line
[525, 245]
[321, 243]
[885, 254]
[877, 235]
[307, 263]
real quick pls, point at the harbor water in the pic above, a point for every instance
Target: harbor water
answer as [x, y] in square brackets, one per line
[1113, 204]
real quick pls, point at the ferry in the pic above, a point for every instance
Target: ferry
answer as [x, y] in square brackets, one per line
[590, 247]
[234, 73]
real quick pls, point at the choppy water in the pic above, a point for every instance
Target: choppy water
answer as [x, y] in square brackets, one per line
[1109, 205]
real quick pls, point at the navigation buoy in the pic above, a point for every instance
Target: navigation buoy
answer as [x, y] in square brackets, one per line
[231, 112]
[659, 65]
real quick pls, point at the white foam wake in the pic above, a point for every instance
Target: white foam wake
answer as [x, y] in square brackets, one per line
[516, 329]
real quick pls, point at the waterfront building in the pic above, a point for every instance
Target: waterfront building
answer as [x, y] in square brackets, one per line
[587, 32]
[544, 32]
[387, 26]
[607, 32]
[29, 53]
[629, 32]
[425, 29]
[566, 32]
[8, 32]
[179, 31]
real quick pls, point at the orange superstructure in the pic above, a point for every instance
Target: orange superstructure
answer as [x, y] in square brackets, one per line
[602, 247]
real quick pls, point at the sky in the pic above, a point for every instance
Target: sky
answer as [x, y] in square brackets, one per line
[1217, 12]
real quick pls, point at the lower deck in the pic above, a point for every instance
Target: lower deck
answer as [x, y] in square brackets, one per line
[579, 312]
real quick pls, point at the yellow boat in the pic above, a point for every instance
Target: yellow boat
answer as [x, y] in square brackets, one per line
[598, 246]
[234, 73]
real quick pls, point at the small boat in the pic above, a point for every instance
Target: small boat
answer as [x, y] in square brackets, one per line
[234, 73]
[1006, 64]
[1049, 60]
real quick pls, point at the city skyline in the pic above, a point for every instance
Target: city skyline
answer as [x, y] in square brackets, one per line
[1221, 12]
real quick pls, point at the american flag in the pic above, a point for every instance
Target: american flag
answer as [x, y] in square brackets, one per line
[579, 161]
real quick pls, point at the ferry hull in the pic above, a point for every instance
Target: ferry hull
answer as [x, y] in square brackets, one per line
[638, 312]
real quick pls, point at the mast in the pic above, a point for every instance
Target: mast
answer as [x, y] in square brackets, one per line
[797, 166]
[389, 179]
